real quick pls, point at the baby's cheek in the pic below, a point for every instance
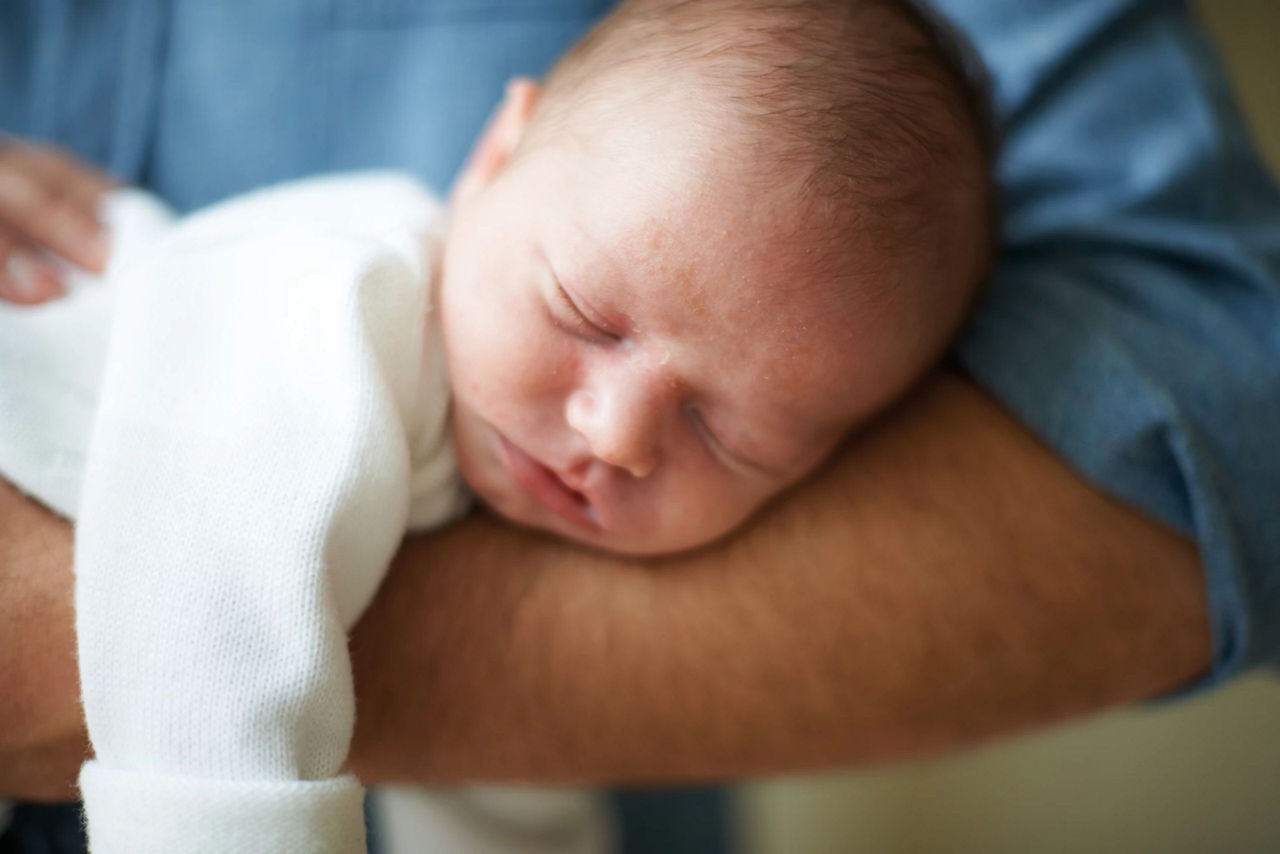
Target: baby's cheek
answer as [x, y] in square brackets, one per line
[701, 505]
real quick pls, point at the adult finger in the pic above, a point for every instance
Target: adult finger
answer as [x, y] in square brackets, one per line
[80, 183]
[34, 207]
[25, 277]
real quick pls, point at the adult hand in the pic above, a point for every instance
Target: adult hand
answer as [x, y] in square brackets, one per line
[48, 210]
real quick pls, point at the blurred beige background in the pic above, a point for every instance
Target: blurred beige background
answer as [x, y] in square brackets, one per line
[1201, 776]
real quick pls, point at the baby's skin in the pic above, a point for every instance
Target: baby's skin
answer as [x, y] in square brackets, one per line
[641, 351]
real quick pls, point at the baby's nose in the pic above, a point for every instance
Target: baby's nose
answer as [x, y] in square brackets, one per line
[620, 429]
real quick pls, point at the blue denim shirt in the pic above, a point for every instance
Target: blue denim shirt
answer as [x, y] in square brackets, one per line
[1133, 321]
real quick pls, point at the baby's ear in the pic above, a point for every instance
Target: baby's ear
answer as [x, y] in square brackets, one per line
[499, 138]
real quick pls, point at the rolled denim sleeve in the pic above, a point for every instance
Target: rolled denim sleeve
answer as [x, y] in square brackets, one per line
[1133, 321]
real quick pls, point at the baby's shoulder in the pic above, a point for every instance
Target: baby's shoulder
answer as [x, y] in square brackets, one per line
[357, 205]
[310, 246]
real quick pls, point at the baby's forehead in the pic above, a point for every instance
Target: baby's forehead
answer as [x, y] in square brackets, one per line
[746, 287]
[735, 274]
[774, 336]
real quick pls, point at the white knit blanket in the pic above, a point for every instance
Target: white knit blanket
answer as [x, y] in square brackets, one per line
[272, 417]
[51, 359]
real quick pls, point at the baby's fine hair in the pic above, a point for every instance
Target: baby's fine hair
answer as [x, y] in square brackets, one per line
[876, 109]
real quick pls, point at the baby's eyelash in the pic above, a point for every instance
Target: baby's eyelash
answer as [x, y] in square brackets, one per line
[700, 425]
[719, 448]
[577, 316]
[580, 321]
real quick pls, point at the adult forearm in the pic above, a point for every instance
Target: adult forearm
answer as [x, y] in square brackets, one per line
[947, 580]
[41, 730]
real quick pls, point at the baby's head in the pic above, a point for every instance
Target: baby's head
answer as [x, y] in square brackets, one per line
[725, 233]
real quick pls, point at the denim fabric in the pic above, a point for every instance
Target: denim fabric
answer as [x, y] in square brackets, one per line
[59, 829]
[45, 829]
[83, 74]
[201, 100]
[1133, 322]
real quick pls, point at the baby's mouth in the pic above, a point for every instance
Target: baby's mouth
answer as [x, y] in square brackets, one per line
[546, 487]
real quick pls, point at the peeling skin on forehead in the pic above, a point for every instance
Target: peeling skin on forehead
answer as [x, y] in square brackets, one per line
[738, 296]
[666, 258]
[731, 257]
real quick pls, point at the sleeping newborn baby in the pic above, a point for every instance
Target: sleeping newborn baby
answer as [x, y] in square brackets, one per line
[722, 235]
